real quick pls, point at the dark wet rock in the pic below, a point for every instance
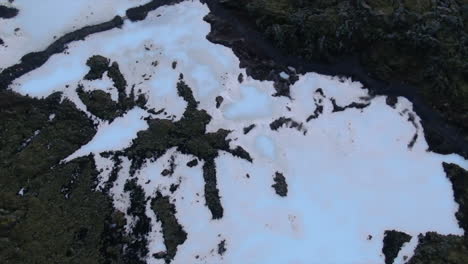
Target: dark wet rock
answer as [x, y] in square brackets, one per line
[392, 243]
[171, 169]
[137, 248]
[280, 185]
[459, 179]
[98, 65]
[413, 141]
[189, 136]
[240, 78]
[1, 42]
[211, 190]
[439, 249]
[219, 101]
[222, 247]
[34, 60]
[173, 233]
[391, 101]
[317, 112]
[337, 108]
[286, 122]
[248, 129]
[192, 163]
[240, 153]
[174, 65]
[8, 12]
[140, 12]
[174, 187]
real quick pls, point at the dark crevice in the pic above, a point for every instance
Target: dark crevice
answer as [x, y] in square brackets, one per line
[317, 112]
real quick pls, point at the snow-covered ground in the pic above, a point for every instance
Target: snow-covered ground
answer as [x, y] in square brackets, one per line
[38, 25]
[350, 174]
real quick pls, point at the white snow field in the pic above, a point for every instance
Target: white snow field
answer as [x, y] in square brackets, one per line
[38, 25]
[350, 174]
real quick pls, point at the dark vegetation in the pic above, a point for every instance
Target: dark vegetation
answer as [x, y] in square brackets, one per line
[49, 212]
[392, 243]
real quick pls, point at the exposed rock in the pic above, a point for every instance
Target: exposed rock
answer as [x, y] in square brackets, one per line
[98, 65]
[222, 247]
[438, 249]
[173, 233]
[192, 163]
[392, 243]
[8, 12]
[219, 101]
[459, 178]
[280, 185]
[248, 129]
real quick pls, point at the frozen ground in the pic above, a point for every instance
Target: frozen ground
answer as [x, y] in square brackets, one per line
[351, 174]
[38, 25]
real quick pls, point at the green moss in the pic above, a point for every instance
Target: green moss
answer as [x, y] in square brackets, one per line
[59, 218]
[438, 249]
